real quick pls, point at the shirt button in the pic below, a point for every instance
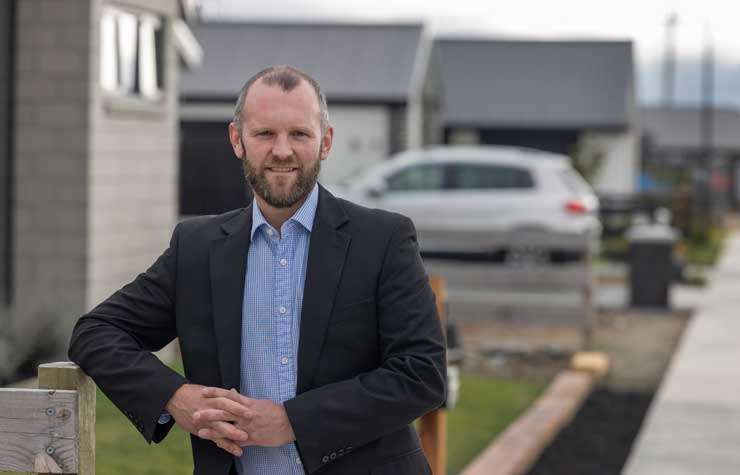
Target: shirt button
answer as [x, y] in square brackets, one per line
[298, 460]
[284, 360]
[269, 232]
[282, 309]
[283, 262]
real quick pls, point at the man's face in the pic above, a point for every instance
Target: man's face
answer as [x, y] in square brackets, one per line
[281, 142]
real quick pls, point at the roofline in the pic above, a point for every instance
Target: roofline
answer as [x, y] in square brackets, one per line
[573, 126]
[254, 22]
[687, 108]
[338, 100]
[531, 41]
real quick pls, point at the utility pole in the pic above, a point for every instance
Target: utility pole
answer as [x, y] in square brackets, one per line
[707, 123]
[669, 61]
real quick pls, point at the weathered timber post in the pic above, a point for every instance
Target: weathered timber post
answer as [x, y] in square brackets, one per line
[433, 426]
[67, 375]
[51, 429]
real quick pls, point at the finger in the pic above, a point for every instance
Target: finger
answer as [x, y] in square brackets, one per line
[229, 446]
[225, 430]
[232, 394]
[231, 406]
[204, 417]
[210, 415]
[210, 391]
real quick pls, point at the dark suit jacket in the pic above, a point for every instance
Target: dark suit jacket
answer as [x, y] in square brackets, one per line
[371, 355]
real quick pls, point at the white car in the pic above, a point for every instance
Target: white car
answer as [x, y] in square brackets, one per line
[485, 203]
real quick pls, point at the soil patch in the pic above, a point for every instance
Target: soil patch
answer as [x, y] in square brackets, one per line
[599, 439]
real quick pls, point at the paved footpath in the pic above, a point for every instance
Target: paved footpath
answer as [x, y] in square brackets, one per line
[693, 426]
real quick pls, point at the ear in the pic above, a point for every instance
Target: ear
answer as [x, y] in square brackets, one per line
[235, 139]
[326, 142]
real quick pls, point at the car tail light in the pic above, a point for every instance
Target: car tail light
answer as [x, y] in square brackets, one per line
[576, 207]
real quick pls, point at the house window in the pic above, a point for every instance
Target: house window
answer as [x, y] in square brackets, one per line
[132, 54]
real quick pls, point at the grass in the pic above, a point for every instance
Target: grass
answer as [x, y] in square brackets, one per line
[485, 409]
[121, 450]
[486, 406]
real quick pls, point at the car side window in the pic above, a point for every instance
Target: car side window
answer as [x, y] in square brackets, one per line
[425, 177]
[477, 176]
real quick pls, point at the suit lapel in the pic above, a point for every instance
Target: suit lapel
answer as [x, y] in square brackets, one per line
[228, 266]
[326, 255]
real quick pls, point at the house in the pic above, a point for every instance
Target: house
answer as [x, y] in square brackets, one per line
[382, 97]
[675, 148]
[88, 157]
[570, 97]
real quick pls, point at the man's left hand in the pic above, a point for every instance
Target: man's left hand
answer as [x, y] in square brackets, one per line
[265, 422]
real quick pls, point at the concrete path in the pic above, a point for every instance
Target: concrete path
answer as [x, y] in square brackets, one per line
[693, 426]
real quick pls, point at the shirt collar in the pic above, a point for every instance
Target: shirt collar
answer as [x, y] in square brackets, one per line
[304, 215]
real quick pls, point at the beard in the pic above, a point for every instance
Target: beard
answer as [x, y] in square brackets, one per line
[306, 178]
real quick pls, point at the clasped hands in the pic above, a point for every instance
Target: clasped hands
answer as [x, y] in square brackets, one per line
[230, 419]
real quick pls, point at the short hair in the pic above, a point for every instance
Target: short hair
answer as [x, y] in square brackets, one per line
[287, 77]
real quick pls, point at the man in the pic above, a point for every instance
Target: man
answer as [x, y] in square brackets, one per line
[307, 326]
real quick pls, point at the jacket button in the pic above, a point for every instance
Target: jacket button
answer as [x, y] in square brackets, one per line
[325, 459]
[333, 455]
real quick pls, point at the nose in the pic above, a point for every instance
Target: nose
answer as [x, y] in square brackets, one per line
[281, 148]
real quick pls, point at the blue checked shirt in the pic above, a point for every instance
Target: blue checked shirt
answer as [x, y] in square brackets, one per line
[273, 297]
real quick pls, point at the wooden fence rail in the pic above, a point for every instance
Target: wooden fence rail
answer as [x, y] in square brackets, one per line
[50, 429]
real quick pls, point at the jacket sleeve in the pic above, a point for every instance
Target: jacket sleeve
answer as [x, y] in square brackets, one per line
[113, 344]
[410, 381]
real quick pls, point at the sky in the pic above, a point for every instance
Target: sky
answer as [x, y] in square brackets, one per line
[699, 22]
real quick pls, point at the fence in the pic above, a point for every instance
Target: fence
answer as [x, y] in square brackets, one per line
[50, 429]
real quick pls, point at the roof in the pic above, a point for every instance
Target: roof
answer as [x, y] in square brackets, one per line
[352, 62]
[536, 84]
[680, 127]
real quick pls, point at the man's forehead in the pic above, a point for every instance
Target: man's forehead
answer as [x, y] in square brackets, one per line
[263, 97]
[263, 90]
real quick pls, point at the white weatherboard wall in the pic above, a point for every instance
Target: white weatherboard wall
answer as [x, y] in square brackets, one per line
[361, 139]
[620, 166]
[132, 171]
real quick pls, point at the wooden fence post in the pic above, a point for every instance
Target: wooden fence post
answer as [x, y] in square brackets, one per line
[433, 426]
[67, 375]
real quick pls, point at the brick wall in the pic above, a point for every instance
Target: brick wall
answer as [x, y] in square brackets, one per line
[5, 55]
[51, 136]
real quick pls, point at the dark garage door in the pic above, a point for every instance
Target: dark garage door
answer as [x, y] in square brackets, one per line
[211, 178]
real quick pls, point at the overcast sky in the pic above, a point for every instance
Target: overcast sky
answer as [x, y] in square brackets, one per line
[643, 21]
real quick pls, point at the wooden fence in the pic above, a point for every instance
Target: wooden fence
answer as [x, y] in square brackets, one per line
[50, 429]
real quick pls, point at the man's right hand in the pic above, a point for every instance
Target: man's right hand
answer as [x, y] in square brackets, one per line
[189, 399]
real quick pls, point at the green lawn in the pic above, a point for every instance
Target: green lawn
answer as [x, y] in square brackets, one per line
[485, 407]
